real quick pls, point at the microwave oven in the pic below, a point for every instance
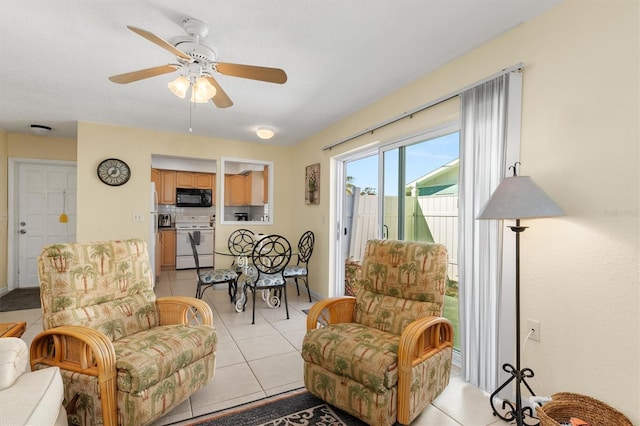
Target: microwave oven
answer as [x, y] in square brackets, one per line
[190, 197]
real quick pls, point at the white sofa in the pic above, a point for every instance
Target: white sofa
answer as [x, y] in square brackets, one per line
[28, 398]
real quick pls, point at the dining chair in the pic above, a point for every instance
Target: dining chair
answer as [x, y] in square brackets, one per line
[210, 277]
[301, 268]
[269, 259]
[240, 244]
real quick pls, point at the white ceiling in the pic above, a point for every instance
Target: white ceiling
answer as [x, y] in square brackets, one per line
[339, 55]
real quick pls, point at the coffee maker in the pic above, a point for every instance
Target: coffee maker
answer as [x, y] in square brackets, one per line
[164, 220]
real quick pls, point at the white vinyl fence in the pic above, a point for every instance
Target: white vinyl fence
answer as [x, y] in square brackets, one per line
[428, 218]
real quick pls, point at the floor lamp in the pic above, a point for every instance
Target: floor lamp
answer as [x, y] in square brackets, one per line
[517, 197]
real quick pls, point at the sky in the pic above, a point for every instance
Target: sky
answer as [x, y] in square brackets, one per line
[422, 158]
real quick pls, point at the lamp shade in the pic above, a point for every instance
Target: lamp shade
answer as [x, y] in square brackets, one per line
[518, 197]
[202, 91]
[179, 86]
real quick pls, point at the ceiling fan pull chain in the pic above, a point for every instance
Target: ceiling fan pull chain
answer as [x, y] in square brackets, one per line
[191, 106]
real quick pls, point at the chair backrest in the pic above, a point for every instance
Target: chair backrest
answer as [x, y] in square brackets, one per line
[195, 251]
[271, 254]
[104, 285]
[241, 242]
[305, 247]
[400, 282]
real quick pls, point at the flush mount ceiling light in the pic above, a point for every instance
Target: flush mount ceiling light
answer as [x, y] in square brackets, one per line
[41, 130]
[265, 133]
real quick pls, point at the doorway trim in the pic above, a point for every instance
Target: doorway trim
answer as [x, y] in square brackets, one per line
[336, 236]
[12, 211]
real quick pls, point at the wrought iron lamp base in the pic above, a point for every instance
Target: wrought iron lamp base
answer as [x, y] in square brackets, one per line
[515, 412]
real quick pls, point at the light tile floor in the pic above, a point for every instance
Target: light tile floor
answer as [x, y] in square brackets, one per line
[255, 361]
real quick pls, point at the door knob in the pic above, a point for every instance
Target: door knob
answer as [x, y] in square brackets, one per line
[22, 223]
[23, 231]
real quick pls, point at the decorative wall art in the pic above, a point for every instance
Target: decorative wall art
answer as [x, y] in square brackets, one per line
[312, 184]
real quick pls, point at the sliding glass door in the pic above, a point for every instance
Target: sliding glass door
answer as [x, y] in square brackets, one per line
[419, 198]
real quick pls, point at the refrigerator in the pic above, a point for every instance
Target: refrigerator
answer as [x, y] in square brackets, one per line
[154, 237]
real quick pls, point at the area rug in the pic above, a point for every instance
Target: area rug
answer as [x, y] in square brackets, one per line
[20, 298]
[296, 407]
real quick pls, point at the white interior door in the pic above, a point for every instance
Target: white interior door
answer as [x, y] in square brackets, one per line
[41, 192]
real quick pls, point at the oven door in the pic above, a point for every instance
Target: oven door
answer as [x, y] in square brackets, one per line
[184, 253]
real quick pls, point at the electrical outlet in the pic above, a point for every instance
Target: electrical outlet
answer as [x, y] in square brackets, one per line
[535, 326]
[137, 217]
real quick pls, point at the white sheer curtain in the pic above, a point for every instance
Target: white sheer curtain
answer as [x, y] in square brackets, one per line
[489, 137]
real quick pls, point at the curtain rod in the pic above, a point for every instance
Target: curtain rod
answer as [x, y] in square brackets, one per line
[420, 108]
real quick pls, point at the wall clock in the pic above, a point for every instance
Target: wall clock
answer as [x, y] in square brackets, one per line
[114, 172]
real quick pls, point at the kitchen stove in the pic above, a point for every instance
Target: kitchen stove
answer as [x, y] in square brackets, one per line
[193, 222]
[204, 234]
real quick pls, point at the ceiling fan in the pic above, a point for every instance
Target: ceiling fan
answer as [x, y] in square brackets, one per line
[197, 64]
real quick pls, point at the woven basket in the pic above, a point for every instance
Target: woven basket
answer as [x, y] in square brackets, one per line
[565, 405]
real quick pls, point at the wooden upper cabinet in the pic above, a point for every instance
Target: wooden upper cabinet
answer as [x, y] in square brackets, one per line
[168, 185]
[244, 189]
[213, 187]
[184, 180]
[202, 180]
[265, 194]
[168, 180]
[235, 190]
[255, 189]
[156, 177]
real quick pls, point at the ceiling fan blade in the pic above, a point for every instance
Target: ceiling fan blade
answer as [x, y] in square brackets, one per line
[270, 75]
[130, 77]
[221, 100]
[160, 42]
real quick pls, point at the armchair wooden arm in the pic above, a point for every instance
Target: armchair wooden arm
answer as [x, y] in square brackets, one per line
[331, 311]
[83, 350]
[184, 310]
[419, 341]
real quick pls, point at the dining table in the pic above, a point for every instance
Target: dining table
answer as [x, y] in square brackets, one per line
[242, 263]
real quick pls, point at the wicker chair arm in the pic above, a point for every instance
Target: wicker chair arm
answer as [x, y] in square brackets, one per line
[331, 311]
[419, 341]
[184, 310]
[82, 350]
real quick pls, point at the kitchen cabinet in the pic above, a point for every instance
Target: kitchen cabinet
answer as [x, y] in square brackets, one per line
[235, 190]
[168, 248]
[244, 189]
[265, 185]
[184, 180]
[156, 177]
[167, 195]
[203, 180]
[255, 189]
[194, 180]
[168, 180]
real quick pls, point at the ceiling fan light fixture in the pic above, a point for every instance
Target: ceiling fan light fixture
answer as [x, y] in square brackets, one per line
[265, 133]
[179, 86]
[202, 91]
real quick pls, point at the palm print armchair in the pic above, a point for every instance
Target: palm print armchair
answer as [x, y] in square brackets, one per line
[126, 357]
[384, 354]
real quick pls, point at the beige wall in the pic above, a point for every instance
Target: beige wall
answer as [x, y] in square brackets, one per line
[49, 147]
[580, 140]
[105, 212]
